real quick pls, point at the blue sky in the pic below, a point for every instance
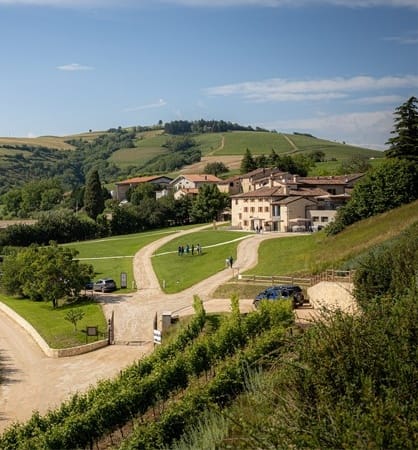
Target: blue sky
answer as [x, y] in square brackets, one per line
[333, 68]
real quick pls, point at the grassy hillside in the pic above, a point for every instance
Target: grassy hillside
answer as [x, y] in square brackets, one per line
[22, 159]
[316, 252]
[229, 148]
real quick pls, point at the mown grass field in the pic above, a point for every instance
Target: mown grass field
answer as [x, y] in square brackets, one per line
[177, 273]
[112, 256]
[51, 323]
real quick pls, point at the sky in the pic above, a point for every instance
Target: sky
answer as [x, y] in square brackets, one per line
[337, 69]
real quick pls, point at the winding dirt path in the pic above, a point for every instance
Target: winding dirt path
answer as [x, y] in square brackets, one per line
[32, 381]
[134, 314]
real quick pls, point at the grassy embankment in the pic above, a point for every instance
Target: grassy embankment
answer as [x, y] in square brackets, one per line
[51, 323]
[314, 253]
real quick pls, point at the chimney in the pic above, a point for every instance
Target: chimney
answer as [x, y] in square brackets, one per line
[285, 189]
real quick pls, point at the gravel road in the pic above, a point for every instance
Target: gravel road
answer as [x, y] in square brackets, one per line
[35, 382]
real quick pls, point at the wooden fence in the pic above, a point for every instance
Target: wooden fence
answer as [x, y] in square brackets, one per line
[345, 276]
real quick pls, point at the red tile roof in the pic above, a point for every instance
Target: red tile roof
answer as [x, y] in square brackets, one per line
[138, 180]
[196, 178]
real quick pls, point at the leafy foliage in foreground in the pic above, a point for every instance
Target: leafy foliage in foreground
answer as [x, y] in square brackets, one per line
[348, 382]
[86, 417]
[393, 183]
[390, 268]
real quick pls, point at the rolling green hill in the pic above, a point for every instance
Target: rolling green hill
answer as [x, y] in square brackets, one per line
[23, 159]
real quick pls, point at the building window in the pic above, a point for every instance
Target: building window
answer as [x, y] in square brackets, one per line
[324, 219]
[332, 191]
[276, 210]
[252, 209]
[245, 223]
[315, 219]
[260, 209]
[239, 216]
[266, 209]
[236, 201]
[245, 209]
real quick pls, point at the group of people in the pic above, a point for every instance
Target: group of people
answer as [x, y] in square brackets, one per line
[190, 249]
[258, 229]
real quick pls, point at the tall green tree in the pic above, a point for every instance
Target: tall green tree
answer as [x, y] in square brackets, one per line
[247, 163]
[405, 142]
[93, 195]
[208, 204]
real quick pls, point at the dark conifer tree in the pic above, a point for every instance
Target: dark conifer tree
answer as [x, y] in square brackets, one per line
[93, 195]
[247, 163]
[404, 144]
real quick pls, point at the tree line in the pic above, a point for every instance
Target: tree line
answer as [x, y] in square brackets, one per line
[205, 126]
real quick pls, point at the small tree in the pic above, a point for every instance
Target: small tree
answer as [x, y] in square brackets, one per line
[208, 203]
[45, 273]
[74, 316]
[93, 195]
[215, 168]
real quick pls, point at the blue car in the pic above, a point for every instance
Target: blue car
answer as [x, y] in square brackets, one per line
[281, 292]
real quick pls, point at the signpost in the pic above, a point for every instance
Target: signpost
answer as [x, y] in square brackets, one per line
[157, 337]
[123, 280]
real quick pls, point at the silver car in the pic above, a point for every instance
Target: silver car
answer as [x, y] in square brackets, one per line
[104, 285]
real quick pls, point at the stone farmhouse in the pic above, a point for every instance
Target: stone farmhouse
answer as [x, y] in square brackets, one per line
[272, 200]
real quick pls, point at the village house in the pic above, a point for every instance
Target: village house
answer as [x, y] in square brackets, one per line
[188, 184]
[278, 201]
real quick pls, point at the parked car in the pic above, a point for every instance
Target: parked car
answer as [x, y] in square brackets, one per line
[281, 292]
[104, 285]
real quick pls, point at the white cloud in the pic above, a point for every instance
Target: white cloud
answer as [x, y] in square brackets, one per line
[408, 38]
[73, 67]
[378, 100]
[216, 3]
[158, 104]
[357, 128]
[280, 90]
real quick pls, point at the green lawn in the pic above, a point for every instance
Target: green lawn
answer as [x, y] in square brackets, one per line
[112, 256]
[181, 272]
[51, 323]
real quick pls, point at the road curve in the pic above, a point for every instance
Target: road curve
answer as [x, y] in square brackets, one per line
[32, 381]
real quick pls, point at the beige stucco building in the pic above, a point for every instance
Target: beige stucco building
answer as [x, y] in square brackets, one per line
[278, 201]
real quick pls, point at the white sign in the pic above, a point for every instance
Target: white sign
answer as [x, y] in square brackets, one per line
[157, 337]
